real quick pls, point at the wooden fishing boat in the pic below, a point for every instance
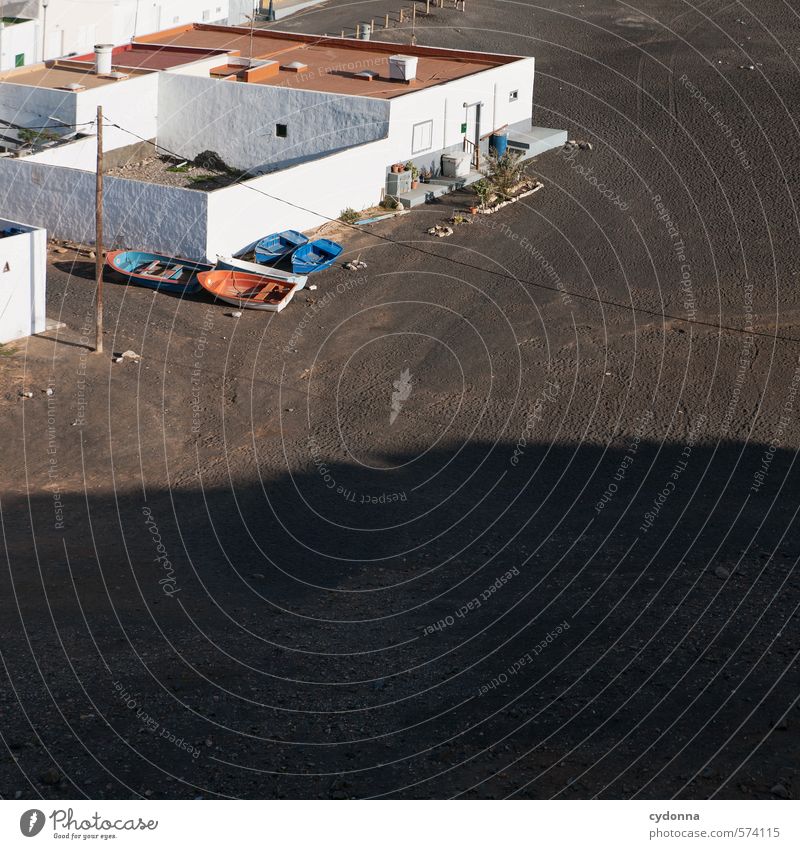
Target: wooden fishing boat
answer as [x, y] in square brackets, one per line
[167, 273]
[248, 291]
[232, 263]
[315, 256]
[277, 245]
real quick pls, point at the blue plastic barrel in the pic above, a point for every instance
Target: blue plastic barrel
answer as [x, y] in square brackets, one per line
[499, 142]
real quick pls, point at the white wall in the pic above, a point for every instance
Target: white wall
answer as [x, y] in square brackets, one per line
[15, 39]
[75, 26]
[444, 105]
[32, 107]
[240, 215]
[138, 215]
[23, 275]
[237, 121]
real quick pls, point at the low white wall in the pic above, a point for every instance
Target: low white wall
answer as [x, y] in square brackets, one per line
[240, 215]
[237, 121]
[30, 106]
[138, 215]
[23, 278]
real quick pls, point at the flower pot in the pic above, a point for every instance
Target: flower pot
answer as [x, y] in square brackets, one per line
[415, 184]
[398, 168]
[473, 210]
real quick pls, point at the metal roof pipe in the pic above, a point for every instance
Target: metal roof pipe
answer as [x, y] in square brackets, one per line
[102, 59]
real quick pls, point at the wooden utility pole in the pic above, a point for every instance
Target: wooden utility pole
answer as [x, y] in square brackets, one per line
[98, 237]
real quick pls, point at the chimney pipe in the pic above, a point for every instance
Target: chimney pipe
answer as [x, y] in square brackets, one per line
[102, 58]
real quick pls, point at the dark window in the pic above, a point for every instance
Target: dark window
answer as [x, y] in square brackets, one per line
[513, 95]
[281, 131]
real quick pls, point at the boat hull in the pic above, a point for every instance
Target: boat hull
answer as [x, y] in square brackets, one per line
[278, 245]
[230, 263]
[248, 291]
[157, 271]
[315, 256]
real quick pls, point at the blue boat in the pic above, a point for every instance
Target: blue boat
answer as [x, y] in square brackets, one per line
[155, 271]
[278, 245]
[315, 256]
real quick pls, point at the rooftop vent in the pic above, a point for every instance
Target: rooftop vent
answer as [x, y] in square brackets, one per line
[403, 68]
[118, 75]
[102, 58]
[366, 75]
[73, 87]
[295, 66]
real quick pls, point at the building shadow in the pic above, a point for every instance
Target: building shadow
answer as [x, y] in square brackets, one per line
[483, 620]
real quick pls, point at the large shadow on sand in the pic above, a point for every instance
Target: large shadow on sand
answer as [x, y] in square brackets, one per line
[503, 619]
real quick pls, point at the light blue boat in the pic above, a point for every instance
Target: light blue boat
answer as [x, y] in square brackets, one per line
[277, 245]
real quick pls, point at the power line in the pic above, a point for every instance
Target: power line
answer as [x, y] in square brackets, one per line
[532, 283]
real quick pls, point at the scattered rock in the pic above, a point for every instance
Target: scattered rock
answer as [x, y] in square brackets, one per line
[722, 573]
[25, 394]
[584, 145]
[118, 360]
[60, 250]
[780, 791]
[50, 777]
[235, 314]
[49, 390]
[312, 288]
[355, 265]
[747, 67]
[209, 742]
[441, 230]
[131, 355]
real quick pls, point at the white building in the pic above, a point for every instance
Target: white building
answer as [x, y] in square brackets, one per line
[54, 28]
[19, 42]
[314, 123]
[23, 271]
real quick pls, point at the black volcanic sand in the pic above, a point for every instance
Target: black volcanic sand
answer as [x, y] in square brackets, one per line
[511, 513]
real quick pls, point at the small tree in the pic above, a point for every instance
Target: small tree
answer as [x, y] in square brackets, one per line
[482, 188]
[505, 172]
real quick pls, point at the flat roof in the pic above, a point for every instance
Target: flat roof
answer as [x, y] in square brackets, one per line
[60, 74]
[332, 64]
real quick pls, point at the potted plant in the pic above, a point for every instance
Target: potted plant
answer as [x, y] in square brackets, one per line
[398, 168]
[414, 174]
[425, 175]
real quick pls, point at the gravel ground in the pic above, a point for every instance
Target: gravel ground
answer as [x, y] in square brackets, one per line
[156, 169]
[509, 513]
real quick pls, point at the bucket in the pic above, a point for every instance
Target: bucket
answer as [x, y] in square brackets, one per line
[499, 142]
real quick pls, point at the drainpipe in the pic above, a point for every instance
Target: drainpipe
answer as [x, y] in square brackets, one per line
[45, 4]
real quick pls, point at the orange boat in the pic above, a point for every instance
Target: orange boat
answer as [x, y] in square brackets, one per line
[248, 291]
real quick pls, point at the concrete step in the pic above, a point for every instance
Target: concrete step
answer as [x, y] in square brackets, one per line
[536, 140]
[435, 188]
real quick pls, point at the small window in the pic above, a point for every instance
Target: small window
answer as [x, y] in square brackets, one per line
[422, 137]
[281, 131]
[207, 15]
[19, 60]
[513, 95]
